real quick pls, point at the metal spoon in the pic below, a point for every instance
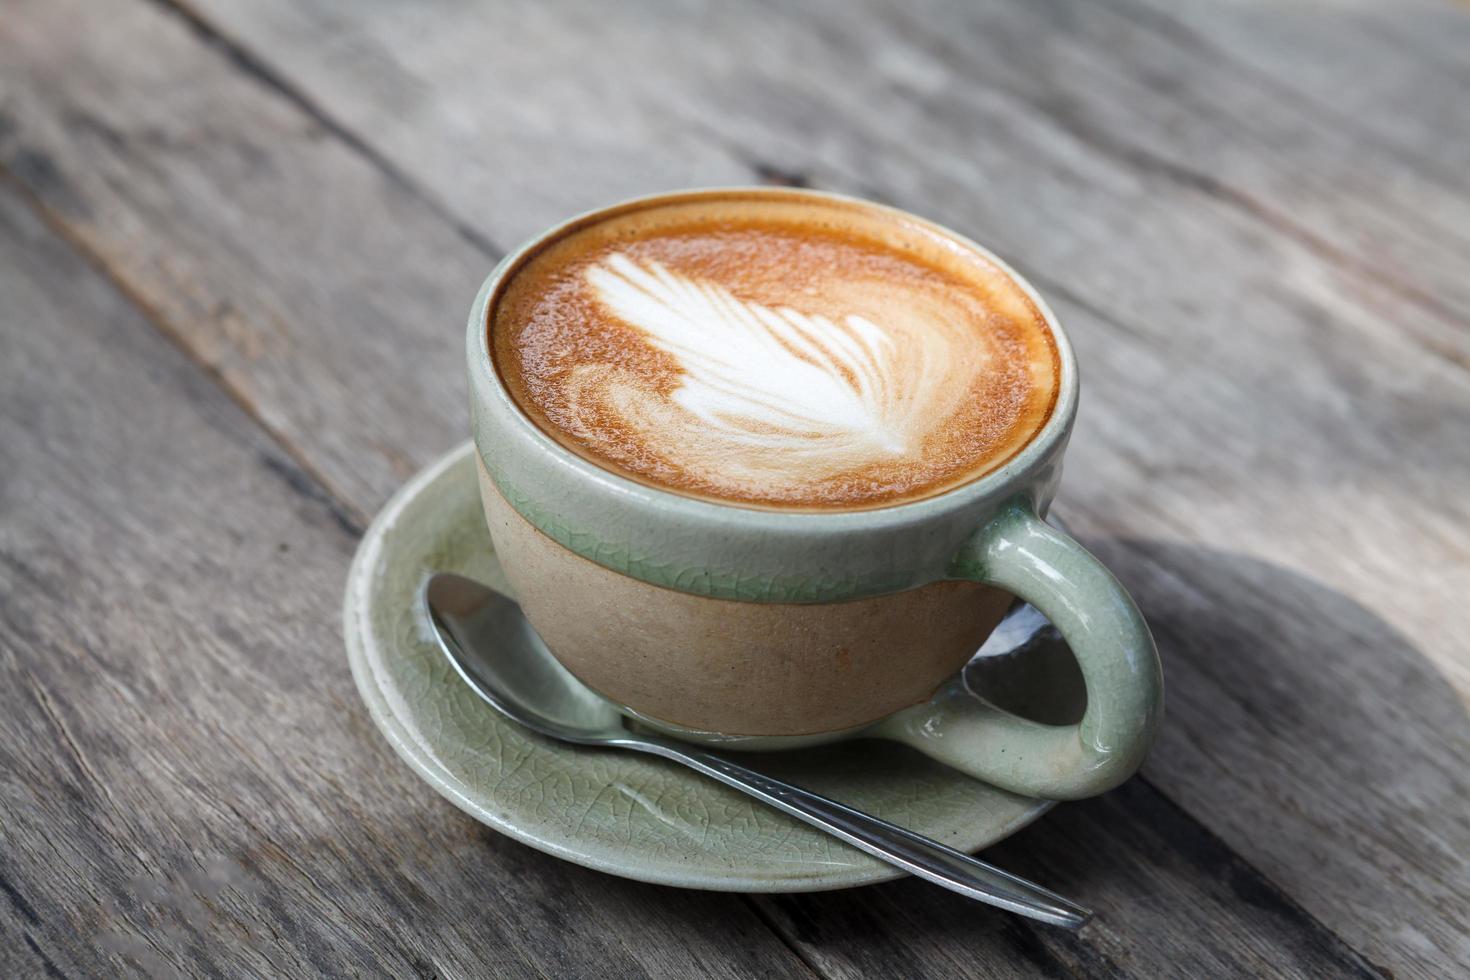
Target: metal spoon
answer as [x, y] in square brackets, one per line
[518, 677]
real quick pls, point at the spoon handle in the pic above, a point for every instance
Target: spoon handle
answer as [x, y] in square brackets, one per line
[915, 853]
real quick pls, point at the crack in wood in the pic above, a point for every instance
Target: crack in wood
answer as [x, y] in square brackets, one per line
[69, 742]
[314, 489]
[776, 176]
[19, 901]
[47, 964]
[794, 944]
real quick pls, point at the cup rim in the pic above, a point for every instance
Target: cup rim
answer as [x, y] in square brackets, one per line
[992, 484]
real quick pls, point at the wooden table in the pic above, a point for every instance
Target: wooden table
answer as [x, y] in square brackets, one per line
[237, 244]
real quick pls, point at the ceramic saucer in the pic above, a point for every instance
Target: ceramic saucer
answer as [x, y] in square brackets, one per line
[632, 815]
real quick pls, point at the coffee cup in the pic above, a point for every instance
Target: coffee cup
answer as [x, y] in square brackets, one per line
[762, 626]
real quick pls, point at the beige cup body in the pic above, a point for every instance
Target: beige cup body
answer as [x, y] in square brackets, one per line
[733, 667]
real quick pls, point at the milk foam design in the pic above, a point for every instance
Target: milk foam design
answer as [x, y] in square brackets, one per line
[772, 395]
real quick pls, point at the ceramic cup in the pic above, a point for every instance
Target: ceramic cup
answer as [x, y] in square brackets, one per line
[763, 629]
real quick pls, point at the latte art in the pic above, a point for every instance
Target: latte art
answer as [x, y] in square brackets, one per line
[773, 351]
[773, 396]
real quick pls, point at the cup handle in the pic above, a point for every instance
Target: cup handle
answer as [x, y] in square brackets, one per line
[1022, 554]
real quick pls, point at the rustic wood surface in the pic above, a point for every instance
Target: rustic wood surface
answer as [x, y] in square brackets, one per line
[237, 243]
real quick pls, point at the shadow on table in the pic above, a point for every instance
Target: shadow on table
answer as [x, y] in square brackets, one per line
[1292, 711]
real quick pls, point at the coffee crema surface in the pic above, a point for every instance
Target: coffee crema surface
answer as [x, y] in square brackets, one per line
[775, 350]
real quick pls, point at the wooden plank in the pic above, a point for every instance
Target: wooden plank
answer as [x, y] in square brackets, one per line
[188, 783]
[1227, 369]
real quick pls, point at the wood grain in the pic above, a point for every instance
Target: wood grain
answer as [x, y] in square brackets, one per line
[188, 783]
[310, 211]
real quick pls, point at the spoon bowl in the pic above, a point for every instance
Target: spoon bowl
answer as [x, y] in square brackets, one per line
[529, 686]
